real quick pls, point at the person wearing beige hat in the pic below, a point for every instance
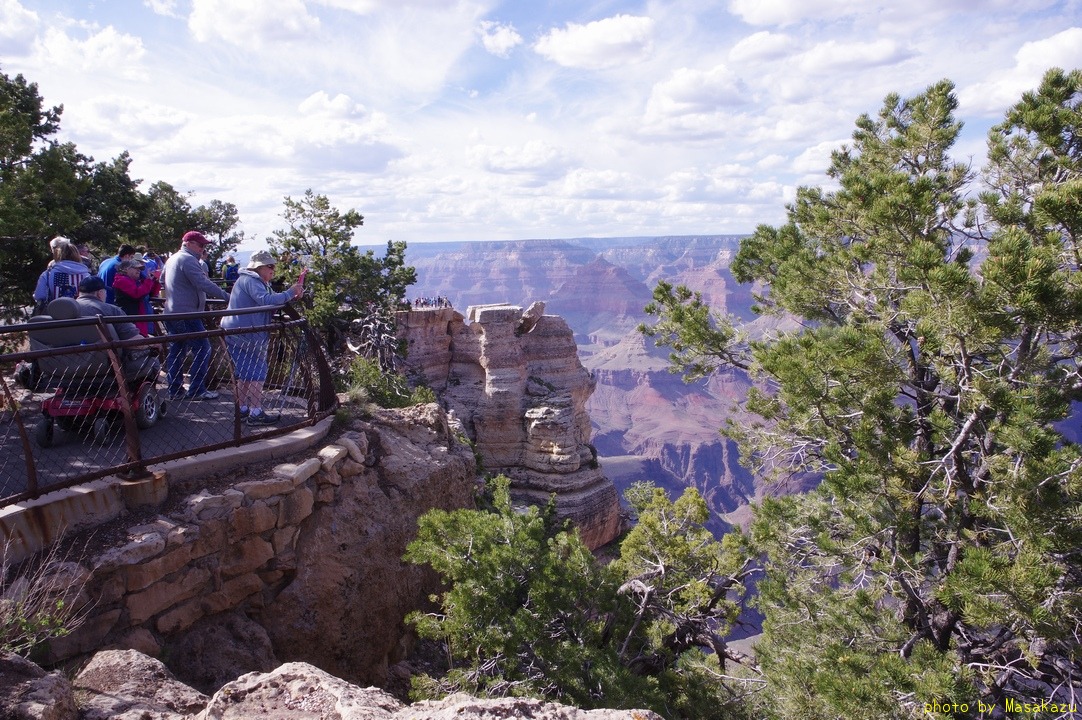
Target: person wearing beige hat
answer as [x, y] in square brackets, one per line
[249, 351]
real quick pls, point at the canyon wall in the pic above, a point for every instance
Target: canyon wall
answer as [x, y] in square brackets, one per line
[647, 423]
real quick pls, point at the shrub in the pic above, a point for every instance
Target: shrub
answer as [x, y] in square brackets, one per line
[39, 600]
[369, 383]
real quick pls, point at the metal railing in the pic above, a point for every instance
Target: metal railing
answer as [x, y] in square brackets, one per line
[73, 414]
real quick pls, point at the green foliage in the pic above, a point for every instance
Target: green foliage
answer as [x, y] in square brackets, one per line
[48, 188]
[218, 221]
[527, 609]
[169, 216]
[938, 559]
[701, 340]
[111, 207]
[683, 590]
[519, 615]
[370, 383]
[343, 283]
[37, 600]
[40, 182]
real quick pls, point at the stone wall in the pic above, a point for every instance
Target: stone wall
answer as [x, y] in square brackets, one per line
[305, 558]
[514, 380]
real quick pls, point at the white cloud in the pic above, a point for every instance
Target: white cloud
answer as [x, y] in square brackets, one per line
[832, 55]
[689, 91]
[367, 7]
[17, 28]
[247, 23]
[694, 104]
[536, 159]
[761, 46]
[588, 183]
[360, 7]
[816, 159]
[106, 51]
[702, 123]
[315, 145]
[499, 39]
[771, 162]
[789, 12]
[143, 123]
[1064, 50]
[320, 103]
[168, 8]
[598, 45]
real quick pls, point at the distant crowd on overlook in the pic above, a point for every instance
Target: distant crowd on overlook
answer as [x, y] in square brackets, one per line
[431, 302]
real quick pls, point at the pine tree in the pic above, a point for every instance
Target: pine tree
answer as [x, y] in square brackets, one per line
[940, 558]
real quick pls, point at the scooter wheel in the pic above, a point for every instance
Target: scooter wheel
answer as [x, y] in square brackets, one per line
[43, 433]
[146, 415]
[102, 430]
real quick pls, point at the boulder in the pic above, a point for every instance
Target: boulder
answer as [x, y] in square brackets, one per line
[29, 693]
[464, 707]
[219, 649]
[298, 690]
[127, 685]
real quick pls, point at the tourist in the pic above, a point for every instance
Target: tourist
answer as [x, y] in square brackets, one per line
[186, 290]
[136, 362]
[249, 350]
[133, 289]
[91, 302]
[88, 257]
[153, 261]
[107, 271]
[62, 278]
[230, 271]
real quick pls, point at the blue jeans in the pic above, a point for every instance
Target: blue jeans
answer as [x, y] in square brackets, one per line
[174, 360]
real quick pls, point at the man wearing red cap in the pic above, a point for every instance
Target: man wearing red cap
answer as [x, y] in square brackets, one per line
[187, 288]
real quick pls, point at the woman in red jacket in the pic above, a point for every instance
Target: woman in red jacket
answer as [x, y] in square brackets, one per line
[133, 292]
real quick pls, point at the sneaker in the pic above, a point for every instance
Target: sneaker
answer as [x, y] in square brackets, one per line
[243, 412]
[205, 395]
[178, 395]
[263, 418]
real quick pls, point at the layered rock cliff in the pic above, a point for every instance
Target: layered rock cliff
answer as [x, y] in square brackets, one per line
[515, 381]
[648, 424]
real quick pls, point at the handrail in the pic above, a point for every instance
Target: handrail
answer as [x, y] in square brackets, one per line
[88, 407]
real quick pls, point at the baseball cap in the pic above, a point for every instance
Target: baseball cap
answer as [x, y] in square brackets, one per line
[195, 236]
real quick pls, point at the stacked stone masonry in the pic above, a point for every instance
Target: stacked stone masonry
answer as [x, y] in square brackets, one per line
[310, 553]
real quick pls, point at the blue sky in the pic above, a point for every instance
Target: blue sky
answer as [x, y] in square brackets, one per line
[488, 120]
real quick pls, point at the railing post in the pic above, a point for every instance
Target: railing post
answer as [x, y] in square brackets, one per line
[131, 430]
[28, 451]
[328, 398]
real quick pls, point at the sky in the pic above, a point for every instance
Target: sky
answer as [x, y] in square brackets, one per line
[448, 120]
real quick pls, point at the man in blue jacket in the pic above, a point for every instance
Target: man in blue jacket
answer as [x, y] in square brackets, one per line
[107, 271]
[186, 288]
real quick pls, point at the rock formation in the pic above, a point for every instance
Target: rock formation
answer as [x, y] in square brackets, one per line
[648, 424]
[127, 685]
[514, 380]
